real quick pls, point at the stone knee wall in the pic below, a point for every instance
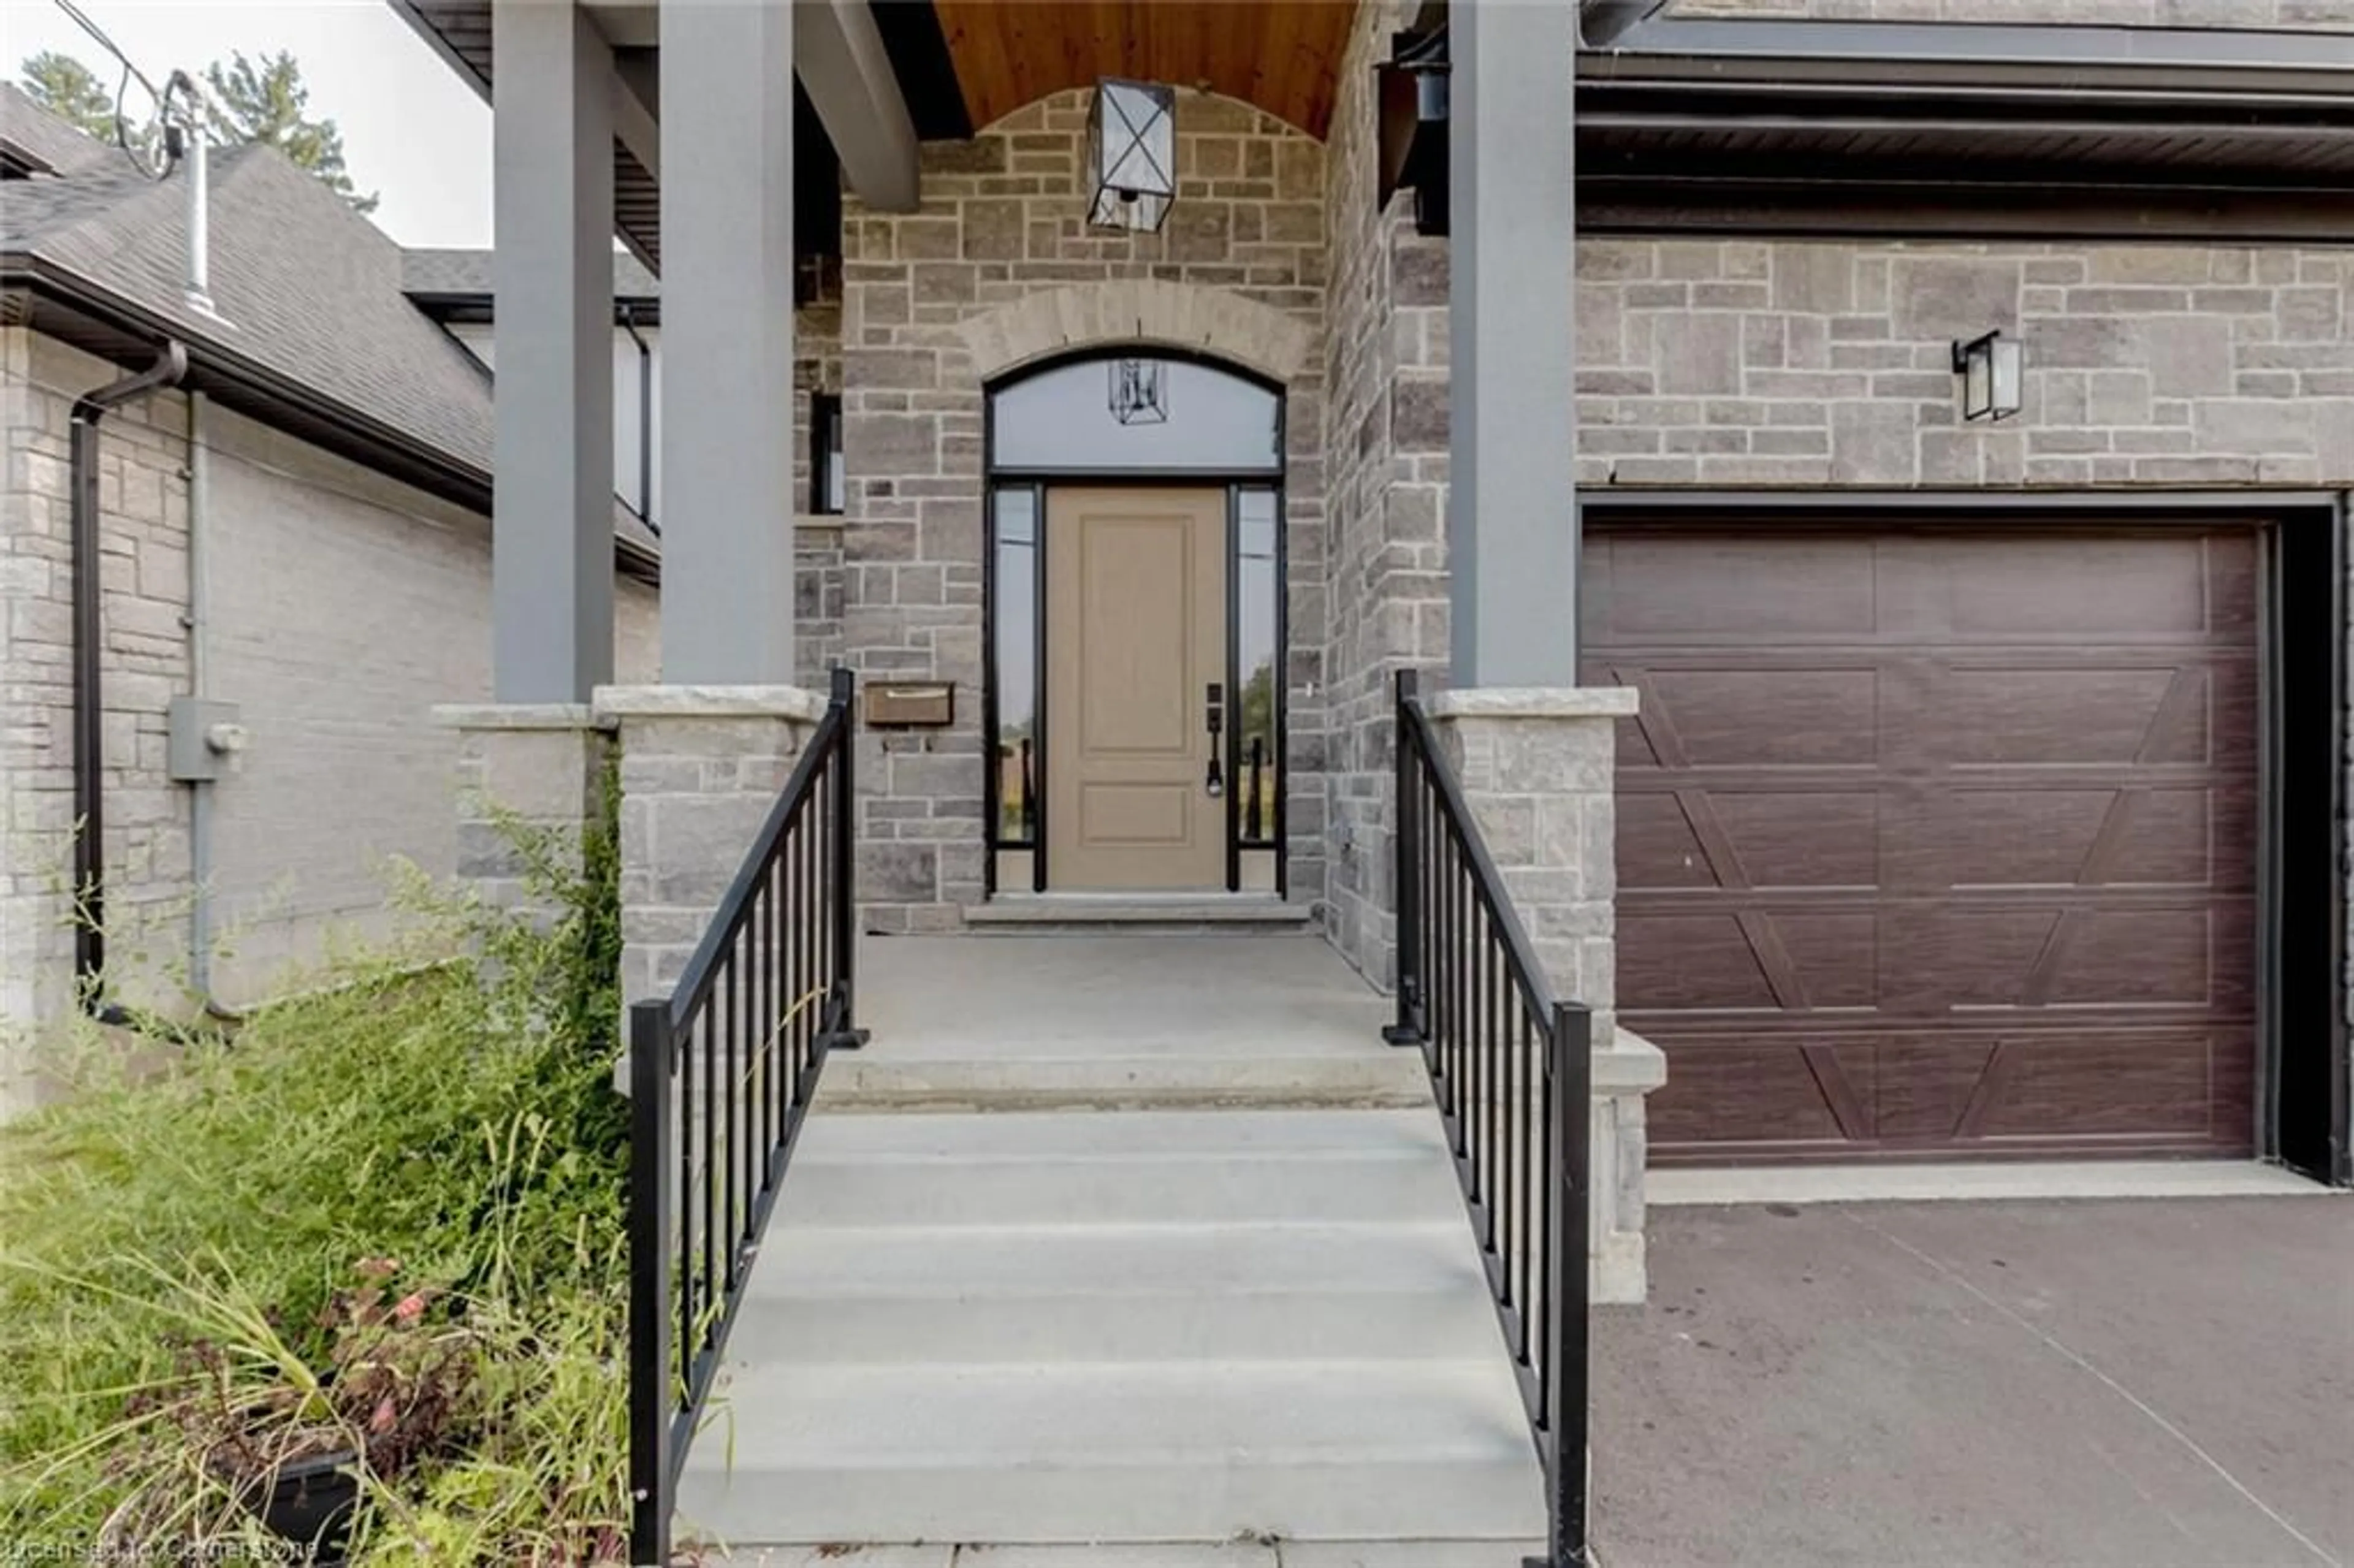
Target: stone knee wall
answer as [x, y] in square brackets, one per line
[1002, 221]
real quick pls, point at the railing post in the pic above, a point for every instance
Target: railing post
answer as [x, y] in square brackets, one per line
[650, 1284]
[1570, 1114]
[843, 898]
[1405, 877]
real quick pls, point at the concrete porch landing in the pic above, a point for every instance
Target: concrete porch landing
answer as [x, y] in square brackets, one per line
[1046, 1022]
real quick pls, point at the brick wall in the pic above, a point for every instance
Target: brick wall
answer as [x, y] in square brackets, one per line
[1001, 220]
[344, 605]
[2325, 15]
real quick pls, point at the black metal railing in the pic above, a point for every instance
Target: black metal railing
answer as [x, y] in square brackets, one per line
[721, 1075]
[1511, 1070]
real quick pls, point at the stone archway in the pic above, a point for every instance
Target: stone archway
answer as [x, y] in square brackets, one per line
[1155, 311]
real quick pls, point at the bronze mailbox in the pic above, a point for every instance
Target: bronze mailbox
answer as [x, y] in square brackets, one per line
[912, 704]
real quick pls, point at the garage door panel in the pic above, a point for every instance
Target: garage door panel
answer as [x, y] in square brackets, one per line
[1934, 1089]
[1820, 587]
[1942, 957]
[1994, 715]
[2126, 958]
[1786, 839]
[1701, 718]
[1657, 847]
[2012, 837]
[1700, 961]
[2092, 588]
[2102, 1086]
[1777, 1092]
[1833, 956]
[1992, 859]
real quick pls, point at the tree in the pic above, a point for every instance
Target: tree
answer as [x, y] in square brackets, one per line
[67, 88]
[265, 101]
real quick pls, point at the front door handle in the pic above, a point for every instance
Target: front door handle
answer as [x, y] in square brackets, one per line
[1213, 779]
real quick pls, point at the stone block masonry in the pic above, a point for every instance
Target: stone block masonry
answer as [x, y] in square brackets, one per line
[1536, 770]
[700, 768]
[1741, 363]
[537, 767]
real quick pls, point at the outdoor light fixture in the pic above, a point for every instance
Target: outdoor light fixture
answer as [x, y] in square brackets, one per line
[1132, 153]
[1992, 369]
[1140, 392]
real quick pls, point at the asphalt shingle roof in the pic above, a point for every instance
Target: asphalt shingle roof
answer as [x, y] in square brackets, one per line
[301, 286]
[467, 274]
[27, 127]
[299, 283]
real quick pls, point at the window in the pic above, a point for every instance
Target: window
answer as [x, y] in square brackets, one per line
[1259, 670]
[825, 454]
[1143, 414]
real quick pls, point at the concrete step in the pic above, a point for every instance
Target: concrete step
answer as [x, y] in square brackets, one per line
[1140, 914]
[1113, 1077]
[1144, 1168]
[1060, 1294]
[1331, 1450]
[1115, 1023]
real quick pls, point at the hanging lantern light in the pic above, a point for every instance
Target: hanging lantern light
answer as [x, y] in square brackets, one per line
[1131, 153]
[1140, 392]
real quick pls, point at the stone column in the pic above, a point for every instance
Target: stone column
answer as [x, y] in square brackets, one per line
[534, 766]
[1536, 766]
[699, 765]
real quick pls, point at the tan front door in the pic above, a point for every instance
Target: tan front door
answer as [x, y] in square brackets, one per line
[1136, 636]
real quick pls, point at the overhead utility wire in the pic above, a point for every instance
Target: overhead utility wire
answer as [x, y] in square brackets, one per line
[122, 87]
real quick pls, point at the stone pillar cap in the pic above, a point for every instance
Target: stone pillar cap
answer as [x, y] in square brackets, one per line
[709, 701]
[515, 715]
[1534, 702]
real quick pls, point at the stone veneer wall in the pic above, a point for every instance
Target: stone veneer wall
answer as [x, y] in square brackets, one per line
[1001, 221]
[1749, 363]
[344, 608]
[1385, 443]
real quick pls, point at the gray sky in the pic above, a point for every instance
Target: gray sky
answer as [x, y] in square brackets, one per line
[412, 129]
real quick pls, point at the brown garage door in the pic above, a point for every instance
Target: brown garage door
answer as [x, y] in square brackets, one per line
[1935, 842]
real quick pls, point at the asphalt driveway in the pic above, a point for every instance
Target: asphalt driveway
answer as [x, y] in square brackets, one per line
[2036, 1384]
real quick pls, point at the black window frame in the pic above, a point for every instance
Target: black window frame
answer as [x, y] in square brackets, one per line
[825, 454]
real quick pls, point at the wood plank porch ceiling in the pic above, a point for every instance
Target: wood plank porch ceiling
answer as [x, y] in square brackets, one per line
[1279, 56]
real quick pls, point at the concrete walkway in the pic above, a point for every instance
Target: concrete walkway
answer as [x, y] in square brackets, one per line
[2059, 1385]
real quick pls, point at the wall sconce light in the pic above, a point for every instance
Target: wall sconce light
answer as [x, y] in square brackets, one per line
[1993, 369]
[1131, 153]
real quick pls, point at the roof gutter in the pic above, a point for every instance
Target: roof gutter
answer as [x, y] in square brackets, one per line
[171, 368]
[364, 439]
[2167, 61]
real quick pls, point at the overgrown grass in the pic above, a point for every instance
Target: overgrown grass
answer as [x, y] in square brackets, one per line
[456, 1118]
